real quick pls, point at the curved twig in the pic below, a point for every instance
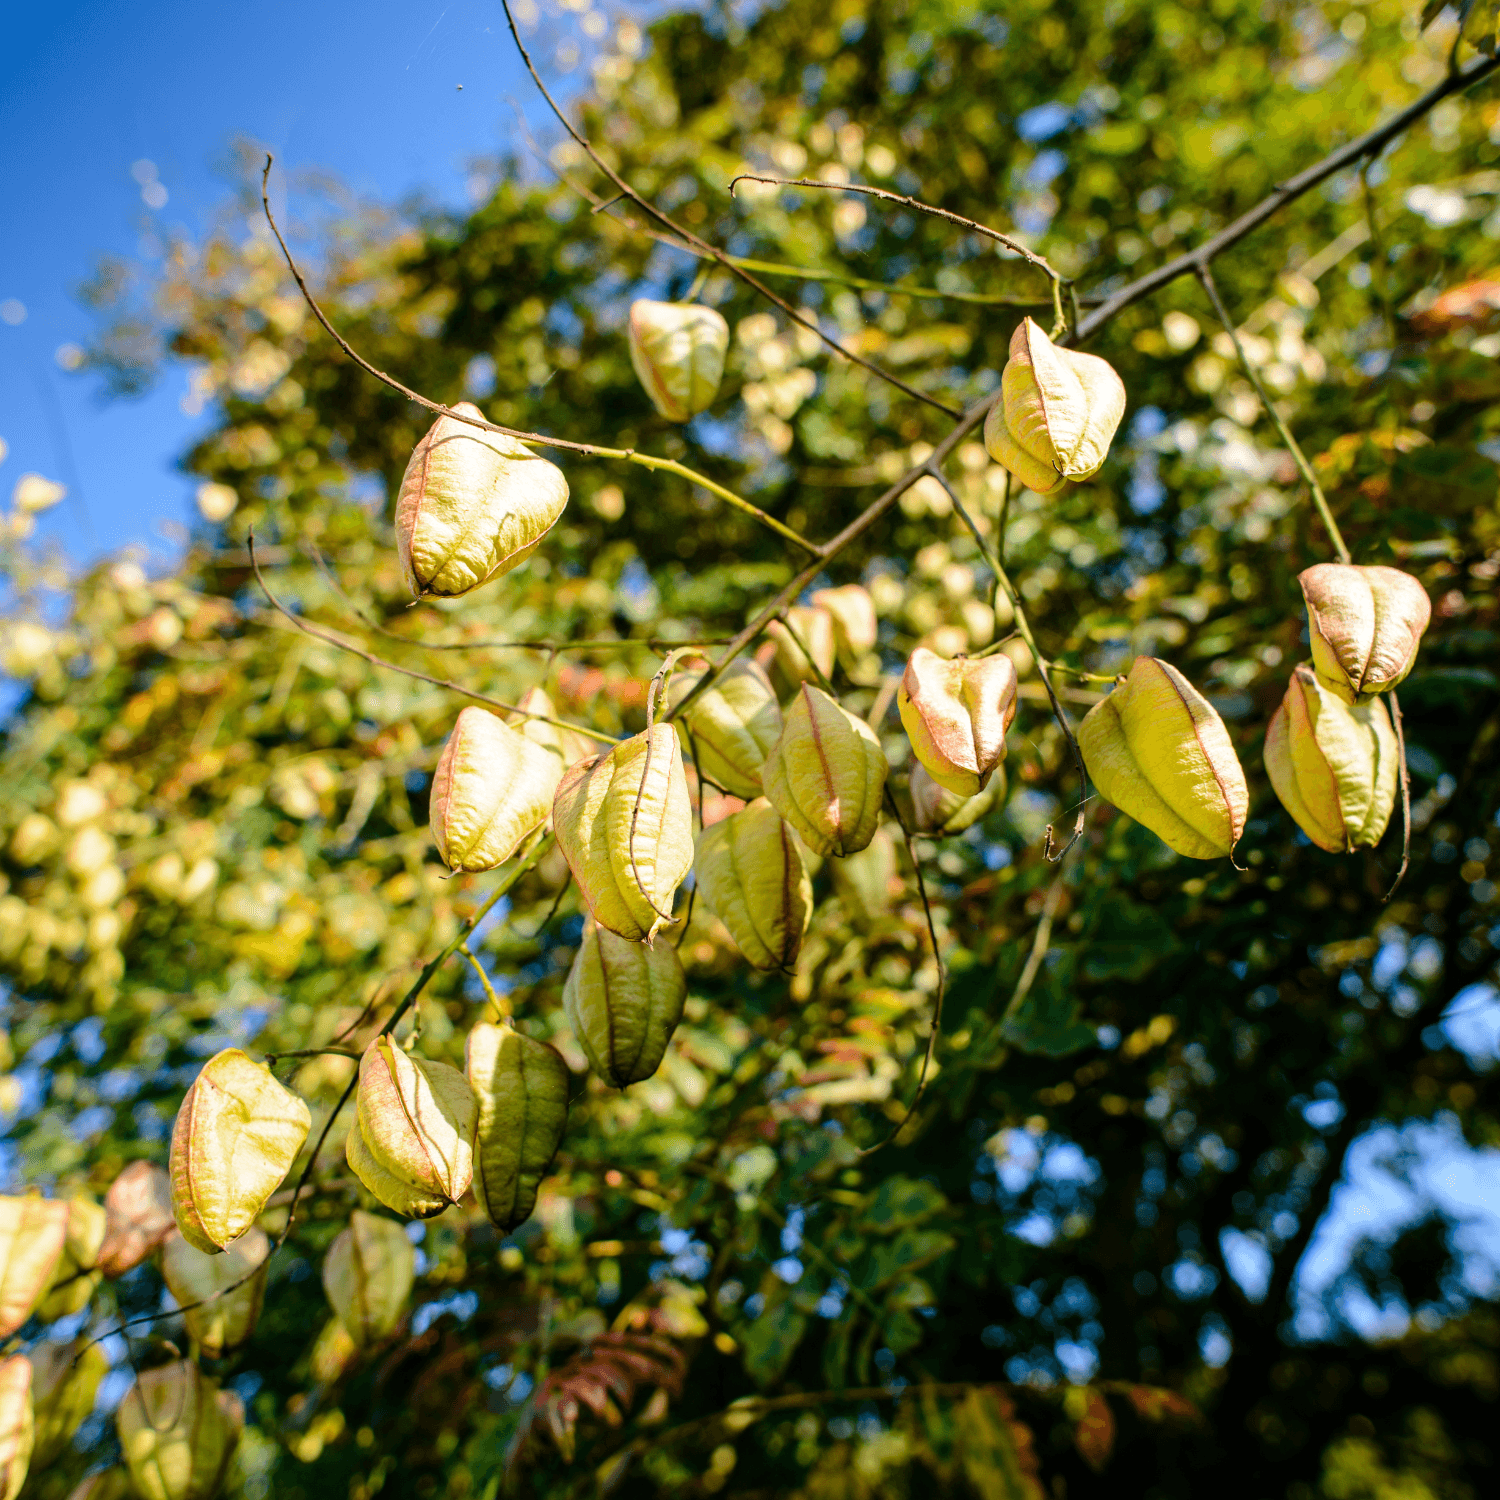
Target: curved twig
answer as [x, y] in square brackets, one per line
[1405, 800]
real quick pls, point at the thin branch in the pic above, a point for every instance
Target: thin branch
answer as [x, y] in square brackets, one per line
[1405, 800]
[1039, 945]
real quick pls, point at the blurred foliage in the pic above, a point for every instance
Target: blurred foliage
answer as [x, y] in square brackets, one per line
[1082, 1250]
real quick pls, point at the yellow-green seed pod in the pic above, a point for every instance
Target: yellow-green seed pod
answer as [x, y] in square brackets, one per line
[413, 1141]
[236, 1136]
[623, 1001]
[678, 351]
[626, 831]
[937, 810]
[805, 646]
[492, 787]
[472, 505]
[368, 1275]
[1365, 625]
[75, 1278]
[565, 744]
[334, 1351]
[731, 724]
[1157, 749]
[522, 1089]
[178, 1432]
[64, 1381]
[138, 1217]
[866, 882]
[825, 775]
[955, 714]
[852, 611]
[32, 1234]
[217, 1318]
[750, 872]
[105, 1484]
[1334, 765]
[16, 1424]
[1057, 412]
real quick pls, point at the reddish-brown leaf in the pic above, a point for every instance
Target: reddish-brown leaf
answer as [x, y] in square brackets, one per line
[1094, 1436]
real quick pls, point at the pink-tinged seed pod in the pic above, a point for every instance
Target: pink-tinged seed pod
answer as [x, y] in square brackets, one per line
[625, 828]
[368, 1275]
[731, 724]
[1334, 765]
[678, 351]
[1365, 625]
[237, 1134]
[65, 1378]
[138, 1217]
[750, 872]
[493, 786]
[412, 1143]
[956, 714]
[472, 505]
[1157, 749]
[1057, 412]
[805, 646]
[75, 1278]
[178, 1432]
[17, 1428]
[937, 810]
[32, 1234]
[852, 611]
[826, 774]
[217, 1318]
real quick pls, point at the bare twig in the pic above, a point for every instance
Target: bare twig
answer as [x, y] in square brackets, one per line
[1405, 800]
[1039, 945]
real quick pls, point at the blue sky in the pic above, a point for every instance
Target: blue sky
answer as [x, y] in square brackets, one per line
[117, 118]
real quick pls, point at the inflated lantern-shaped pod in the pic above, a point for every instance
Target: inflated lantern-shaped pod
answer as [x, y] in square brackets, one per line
[956, 714]
[178, 1432]
[750, 872]
[368, 1275]
[1364, 624]
[33, 1232]
[220, 1294]
[678, 351]
[731, 724]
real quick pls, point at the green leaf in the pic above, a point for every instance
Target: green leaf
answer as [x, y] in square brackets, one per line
[1046, 1022]
[900, 1201]
[771, 1340]
[1125, 940]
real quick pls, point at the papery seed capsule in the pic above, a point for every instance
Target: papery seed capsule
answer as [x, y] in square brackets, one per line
[867, 881]
[522, 1089]
[1334, 765]
[16, 1424]
[236, 1136]
[413, 1143]
[732, 724]
[678, 351]
[852, 611]
[104, 1484]
[334, 1352]
[75, 1278]
[1157, 749]
[32, 1234]
[138, 1217]
[368, 1275]
[955, 714]
[805, 646]
[535, 708]
[625, 828]
[623, 1001]
[472, 505]
[1058, 410]
[750, 872]
[937, 810]
[64, 1381]
[1365, 625]
[825, 774]
[492, 787]
[178, 1432]
[217, 1318]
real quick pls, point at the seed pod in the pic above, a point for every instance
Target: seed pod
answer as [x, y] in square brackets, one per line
[750, 872]
[1157, 749]
[626, 831]
[32, 1234]
[566, 745]
[678, 352]
[138, 1217]
[178, 1432]
[64, 1381]
[852, 611]
[1058, 410]
[472, 505]
[413, 1143]
[103, 1484]
[825, 775]
[223, 1319]
[16, 1424]
[368, 1275]
[522, 1089]
[623, 1001]
[237, 1134]
[75, 1278]
[1334, 765]
[937, 810]
[866, 882]
[492, 787]
[1365, 625]
[732, 724]
[334, 1352]
[955, 714]
[812, 634]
